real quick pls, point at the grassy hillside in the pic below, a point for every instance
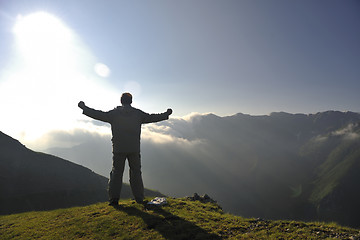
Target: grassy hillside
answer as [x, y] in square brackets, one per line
[282, 166]
[33, 181]
[180, 219]
[334, 169]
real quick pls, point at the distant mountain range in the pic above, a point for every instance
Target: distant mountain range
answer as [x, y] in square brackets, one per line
[278, 166]
[36, 181]
[281, 166]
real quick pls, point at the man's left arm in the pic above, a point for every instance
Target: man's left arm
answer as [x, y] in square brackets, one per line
[151, 118]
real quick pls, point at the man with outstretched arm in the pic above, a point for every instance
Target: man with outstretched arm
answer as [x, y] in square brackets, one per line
[126, 129]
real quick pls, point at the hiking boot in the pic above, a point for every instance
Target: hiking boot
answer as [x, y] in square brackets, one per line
[114, 202]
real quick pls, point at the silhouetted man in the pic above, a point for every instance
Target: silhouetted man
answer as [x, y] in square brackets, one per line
[126, 129]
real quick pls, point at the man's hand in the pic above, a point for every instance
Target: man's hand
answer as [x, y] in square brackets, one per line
[169, 111]
[81, 104]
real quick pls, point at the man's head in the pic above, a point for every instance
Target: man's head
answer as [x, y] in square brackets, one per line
[126, 98]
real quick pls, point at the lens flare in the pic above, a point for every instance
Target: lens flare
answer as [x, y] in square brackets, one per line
[102, 70]
[49, 74]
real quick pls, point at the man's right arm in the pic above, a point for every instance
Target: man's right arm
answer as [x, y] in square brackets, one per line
[95, 114]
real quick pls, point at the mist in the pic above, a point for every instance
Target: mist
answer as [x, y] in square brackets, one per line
[252, 165]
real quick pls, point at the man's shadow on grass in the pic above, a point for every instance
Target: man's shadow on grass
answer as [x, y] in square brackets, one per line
[168, 225]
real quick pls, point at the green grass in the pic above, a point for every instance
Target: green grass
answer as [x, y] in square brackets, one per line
[180, 219]
[339, 161]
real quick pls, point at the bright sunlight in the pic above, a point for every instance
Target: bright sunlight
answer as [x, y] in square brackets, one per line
[40, 37]
[51, 71]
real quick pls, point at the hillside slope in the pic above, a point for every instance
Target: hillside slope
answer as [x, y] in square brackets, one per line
[36, 181]
[179, 219]
[281, 166]
[278, 166]
[336, 179]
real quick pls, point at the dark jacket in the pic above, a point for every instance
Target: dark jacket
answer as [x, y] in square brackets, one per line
[125, 125]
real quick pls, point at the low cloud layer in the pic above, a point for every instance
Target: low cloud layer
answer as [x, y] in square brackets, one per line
[93, 149]
[348, 133]
[235, 158]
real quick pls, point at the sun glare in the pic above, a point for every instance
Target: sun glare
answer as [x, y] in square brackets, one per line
[51, 71]
[43, 35]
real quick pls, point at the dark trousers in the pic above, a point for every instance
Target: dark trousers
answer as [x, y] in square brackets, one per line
[116, 176]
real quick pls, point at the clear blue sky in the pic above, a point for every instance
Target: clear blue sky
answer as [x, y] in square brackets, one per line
[219, 56]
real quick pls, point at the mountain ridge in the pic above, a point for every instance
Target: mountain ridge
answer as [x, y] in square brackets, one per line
[271, 169]
[278, 166]
[37, 181]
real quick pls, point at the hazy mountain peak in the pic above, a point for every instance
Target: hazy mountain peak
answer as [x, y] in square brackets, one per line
[6, 141]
